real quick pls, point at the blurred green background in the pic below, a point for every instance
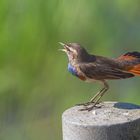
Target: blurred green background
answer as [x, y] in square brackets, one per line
[35, 87]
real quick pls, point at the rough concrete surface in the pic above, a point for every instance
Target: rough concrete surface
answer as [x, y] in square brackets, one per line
[113, 121]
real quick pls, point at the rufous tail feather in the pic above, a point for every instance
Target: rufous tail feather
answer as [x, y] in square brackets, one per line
[135, 70]
[133, 57]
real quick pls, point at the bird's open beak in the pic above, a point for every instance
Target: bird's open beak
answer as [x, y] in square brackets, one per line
[64, 49]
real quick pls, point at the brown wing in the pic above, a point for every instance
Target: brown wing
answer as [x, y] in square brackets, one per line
[101, 72]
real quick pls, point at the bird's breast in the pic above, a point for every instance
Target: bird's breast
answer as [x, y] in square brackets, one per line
[74, 71]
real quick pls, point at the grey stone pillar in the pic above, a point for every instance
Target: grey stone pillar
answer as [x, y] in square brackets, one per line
[113, 121]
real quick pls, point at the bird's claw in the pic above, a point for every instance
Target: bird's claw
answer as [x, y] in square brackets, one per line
[91, 107]
[87, 103]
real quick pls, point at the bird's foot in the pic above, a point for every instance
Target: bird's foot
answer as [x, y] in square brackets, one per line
[91, 107]
[87, 103]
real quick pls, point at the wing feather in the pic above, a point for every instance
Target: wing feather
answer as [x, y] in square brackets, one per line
[100, 72]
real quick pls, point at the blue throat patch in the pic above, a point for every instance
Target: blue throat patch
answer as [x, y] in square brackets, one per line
[72, 70]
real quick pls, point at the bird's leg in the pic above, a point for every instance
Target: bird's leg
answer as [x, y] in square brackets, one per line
[92, 99]
[96, 95]
[95, 100]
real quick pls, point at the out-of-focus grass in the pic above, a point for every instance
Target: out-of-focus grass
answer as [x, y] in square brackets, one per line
[35, 87]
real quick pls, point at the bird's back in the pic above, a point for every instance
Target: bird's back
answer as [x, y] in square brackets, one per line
[126, 66]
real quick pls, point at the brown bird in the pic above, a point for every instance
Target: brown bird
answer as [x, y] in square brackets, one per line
[90, 68]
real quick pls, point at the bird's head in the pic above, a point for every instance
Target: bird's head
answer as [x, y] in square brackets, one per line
[74, 51]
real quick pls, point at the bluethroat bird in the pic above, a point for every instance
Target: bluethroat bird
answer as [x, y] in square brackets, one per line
[90, 68]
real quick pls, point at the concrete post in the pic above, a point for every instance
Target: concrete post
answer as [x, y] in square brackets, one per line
[113, 121]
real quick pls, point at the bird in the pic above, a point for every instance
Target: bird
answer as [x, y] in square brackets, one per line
[89, 67]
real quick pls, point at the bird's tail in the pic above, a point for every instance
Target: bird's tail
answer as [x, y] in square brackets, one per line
[132, 61]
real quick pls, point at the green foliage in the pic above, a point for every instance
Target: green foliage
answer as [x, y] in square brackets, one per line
[35, 86]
